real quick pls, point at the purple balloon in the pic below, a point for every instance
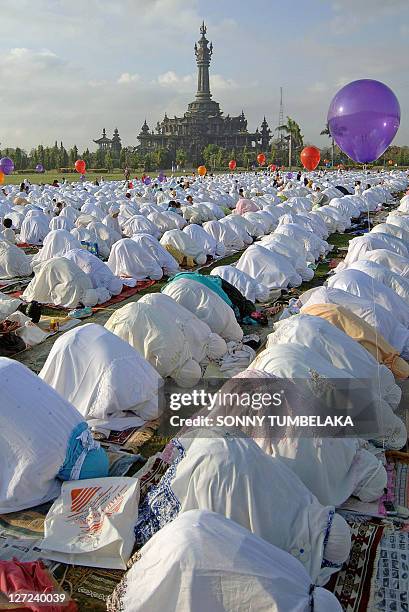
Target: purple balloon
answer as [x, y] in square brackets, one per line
[363, 119]
[289, 175]
[39, 168]
[6, 165]
[147, 180]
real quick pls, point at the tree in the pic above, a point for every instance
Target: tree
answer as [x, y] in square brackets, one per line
[73, 155]
[326, 132]
[108, 161]
[293, 130]
[181, 157]
[161, 158]
[209, 154]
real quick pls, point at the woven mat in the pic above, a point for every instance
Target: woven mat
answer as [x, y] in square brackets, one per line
[88, 586]
[352, 585]
[401, 465]
[391, 588]
[126, 293]
[131, 440]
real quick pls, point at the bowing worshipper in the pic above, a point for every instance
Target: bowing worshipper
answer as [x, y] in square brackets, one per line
[182, 247]
[362, 332]
[319, 199]
[43, 441]
[361, 284]
[102, 279]
[323, 359]
[222, 566]
[332, 468]
[272, 269]
[112, 387]
[13, 261]
[383, 275]
[189, 200]
[358, 247]
[141, 257]
[61, 282]
[165, 347]
[394, 262]
[217, 470]
[375, 315]
[207, 305]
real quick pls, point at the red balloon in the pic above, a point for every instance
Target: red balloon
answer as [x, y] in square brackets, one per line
[232, 164]
[261, 158]
[310, 157]
[80, 166]
[273, 167]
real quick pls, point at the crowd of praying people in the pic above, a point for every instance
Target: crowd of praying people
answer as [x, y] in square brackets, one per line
[240, 519]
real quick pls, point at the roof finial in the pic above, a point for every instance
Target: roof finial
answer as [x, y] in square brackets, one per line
[203, 29]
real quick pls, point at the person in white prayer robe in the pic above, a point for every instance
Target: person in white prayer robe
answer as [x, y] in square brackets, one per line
[223, 567]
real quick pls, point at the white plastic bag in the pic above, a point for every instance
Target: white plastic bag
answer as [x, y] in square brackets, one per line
[92, 523]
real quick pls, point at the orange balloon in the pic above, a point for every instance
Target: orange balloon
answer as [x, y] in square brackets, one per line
[310, 157]
[261, 158]
[1, 178]
[390, 162]
[232, 164]
[80, 166]
[201, 170]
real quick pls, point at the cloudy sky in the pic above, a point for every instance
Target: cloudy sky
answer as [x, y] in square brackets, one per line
[68, 69]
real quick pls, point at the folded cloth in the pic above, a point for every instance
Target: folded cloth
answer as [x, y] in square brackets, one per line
[85, 458]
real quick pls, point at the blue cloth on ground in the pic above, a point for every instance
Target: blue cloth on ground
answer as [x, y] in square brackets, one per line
[94, 464]
[212, 282]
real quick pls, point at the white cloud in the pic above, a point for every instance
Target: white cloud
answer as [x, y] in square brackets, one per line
[171, 79]
[127, 78]
[220, 83]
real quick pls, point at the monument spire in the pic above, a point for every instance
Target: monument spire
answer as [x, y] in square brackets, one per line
[203, 54]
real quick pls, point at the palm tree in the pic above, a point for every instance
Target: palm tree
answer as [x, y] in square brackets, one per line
[326, 132]
[295, 138]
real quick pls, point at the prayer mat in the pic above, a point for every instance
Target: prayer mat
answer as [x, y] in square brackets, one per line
[25, 523]
[126, 293]
[89, 587]
[391, 588]
[352, 584]
[123, 464]
[400, 461]
[131, 440]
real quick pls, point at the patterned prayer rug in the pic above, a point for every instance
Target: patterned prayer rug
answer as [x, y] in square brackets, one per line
[131, 440]
[352, 585]
[391, 589]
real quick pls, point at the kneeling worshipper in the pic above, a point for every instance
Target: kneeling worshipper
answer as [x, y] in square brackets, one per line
[181, 246]
[358, 248]
[43, 441]
[101, 276]
[151, 245]
[222, 566]
[205, 241]
[162, 342]
[14, 263]
[250, 288]
[298, 361]
[362, 332]
[130, 259]
[333, 469]
[241, 306]
[57, 243]
[275, 244]
[215, 469]
[108, 381]
[361, 284]
[225, 235]
[375, 315]
[207, 305]
[383, 275]
[61, 282]
[204, 345]
[34, 227]
[392, 261]
[269, 268]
